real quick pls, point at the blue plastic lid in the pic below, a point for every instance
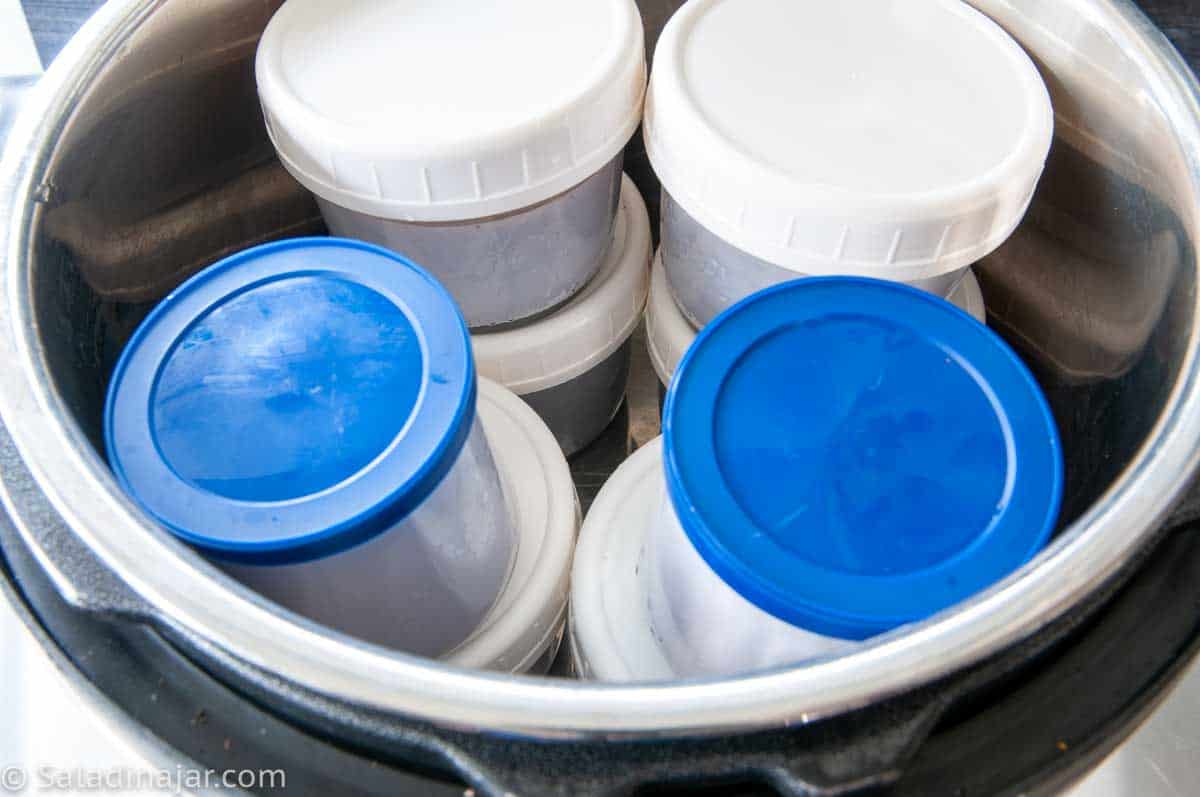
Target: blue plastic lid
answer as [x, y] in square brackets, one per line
[852, 455]
[293, 400]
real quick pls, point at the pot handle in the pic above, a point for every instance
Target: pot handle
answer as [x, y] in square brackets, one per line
[34, 535]
[861, 753]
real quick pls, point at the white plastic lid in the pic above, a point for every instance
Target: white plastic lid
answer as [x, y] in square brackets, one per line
[611, 635]
[891, 139]
[668, 331]
[449, 110]
[590, 327]
[669, 334]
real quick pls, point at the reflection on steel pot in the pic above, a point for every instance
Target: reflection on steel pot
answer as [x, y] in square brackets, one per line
[1097, 289]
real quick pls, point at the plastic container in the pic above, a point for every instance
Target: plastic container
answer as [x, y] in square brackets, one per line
[705, 275]
[669, 333]
[838, 138]
[841, 457]
[304, 413]
[572, 365]
[525, 626]
[483, 141]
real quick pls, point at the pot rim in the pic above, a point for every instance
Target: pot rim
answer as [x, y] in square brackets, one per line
[195, 599]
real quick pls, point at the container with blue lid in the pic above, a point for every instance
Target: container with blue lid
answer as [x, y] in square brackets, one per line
[304, 413]
[840, 457]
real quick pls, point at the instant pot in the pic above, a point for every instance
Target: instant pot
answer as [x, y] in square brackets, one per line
[141, 157]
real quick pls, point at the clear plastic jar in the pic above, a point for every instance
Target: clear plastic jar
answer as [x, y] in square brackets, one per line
[307, 415]
[507, 268]
[422, 585]
[572, 365]
[707, 274]
[484, 145]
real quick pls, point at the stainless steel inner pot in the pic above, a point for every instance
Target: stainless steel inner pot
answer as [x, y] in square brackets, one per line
[146, 128]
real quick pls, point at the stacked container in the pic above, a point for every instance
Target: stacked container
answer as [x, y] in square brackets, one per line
[669, 333]
[572, 365]
[307, 415]
[483, 141]
[840, 457]
[897, 141]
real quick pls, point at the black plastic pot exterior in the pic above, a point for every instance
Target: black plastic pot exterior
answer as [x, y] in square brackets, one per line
[1029, 721]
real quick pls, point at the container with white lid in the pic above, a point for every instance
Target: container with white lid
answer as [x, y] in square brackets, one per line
[482, 140]
[304, 413]
[840, 457]
[572, 365]
[895, 140]
[669, 333]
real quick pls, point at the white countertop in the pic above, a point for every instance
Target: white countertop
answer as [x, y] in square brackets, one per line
[17, 53]
[51, 730]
